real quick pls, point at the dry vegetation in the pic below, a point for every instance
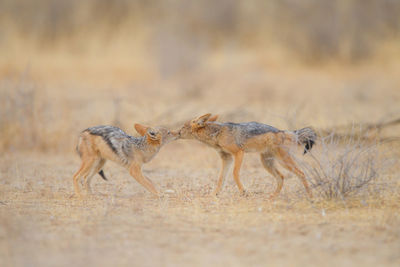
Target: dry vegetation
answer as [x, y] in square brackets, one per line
[67, 65]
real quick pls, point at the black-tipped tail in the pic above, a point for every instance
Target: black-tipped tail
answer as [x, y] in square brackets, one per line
[306, 137]
[101, 173]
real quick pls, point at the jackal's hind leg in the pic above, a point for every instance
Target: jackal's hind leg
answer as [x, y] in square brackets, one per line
[267, 159]
[76, 180]
[96, 167]
[82, 172]
[288, 163]
[226, 164]
[236, 170]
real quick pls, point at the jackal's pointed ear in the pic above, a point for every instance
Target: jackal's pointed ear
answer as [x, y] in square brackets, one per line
[141, 129]
[200, 121]
[213, 118]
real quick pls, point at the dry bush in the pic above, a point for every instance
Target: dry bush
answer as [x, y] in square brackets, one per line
[340, 169]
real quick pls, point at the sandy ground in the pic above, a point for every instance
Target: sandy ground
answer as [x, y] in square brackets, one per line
[42, 224]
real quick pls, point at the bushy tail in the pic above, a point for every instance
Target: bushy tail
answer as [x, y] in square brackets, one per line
[307, 137]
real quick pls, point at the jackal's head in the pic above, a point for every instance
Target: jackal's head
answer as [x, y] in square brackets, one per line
[192, 126]
[157, 135]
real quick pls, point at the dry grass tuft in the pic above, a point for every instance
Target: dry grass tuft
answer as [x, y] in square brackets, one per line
[345, 168]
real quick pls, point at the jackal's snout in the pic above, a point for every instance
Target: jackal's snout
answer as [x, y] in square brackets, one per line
[185, 132]
[169, 135]
[176, 134]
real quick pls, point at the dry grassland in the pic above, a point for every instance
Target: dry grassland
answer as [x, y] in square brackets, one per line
[68, 65]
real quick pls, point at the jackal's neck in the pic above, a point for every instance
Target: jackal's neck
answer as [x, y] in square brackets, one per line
[145, 143]
[150, 149]
[209, 133]
[152, 145]
[139, 142]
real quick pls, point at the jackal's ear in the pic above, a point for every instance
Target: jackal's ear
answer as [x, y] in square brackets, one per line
[141, 129]
[213, 118]
[200, 121]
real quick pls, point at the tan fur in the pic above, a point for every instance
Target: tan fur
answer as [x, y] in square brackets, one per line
[272, 146]
[94, 152]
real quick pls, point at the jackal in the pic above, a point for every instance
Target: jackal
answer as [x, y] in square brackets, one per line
[100, 143]
[234, 139]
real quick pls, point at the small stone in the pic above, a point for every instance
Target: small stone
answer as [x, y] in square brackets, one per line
[323, 213]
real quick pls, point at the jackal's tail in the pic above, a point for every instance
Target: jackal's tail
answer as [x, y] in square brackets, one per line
[307, 137]
[101, 173]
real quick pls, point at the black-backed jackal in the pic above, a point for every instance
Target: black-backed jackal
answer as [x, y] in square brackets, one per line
[234, 139]
[98, 144]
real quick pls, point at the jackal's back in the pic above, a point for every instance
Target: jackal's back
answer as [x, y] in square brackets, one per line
[250, 129]
[247, 130]
[242, 132]
[117, 140]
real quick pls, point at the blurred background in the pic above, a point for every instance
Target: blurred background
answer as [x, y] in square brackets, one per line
[68, 65]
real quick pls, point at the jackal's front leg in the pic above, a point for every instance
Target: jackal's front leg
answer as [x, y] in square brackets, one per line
[226, 164]
[136, 171]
